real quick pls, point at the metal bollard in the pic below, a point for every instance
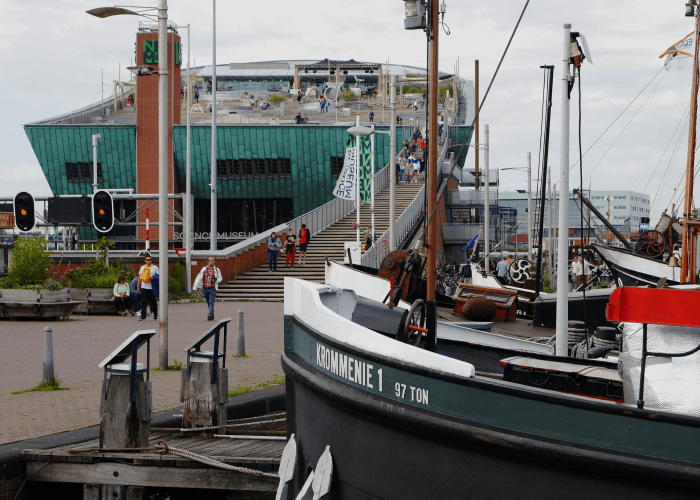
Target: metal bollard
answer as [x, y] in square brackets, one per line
[240, 341]
[48, 375]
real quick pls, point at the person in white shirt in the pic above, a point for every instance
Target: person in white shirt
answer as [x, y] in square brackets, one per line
[577, 271]
[208, 280]
[416, 167]
[145, 286]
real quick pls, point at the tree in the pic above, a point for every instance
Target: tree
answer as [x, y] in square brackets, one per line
[348, 96]
[275, 99]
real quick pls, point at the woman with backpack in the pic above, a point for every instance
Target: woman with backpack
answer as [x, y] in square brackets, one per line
[304, 238]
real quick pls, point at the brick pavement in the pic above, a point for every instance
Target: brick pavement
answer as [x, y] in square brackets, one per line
[82, 342]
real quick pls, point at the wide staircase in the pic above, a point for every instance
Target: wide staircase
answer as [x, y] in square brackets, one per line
[261, 285]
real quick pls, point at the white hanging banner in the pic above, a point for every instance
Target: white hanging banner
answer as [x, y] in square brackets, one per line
[347, 181]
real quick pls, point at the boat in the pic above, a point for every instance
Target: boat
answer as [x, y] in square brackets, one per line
[403, 422]
[372, 394]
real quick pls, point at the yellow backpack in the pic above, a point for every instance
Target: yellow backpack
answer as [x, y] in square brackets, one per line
[145, 275]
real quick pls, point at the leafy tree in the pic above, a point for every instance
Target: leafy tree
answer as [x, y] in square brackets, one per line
[348, 96]
[30, 263]
[275, 99]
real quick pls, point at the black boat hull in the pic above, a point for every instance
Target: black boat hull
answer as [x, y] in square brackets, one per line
[388, 449]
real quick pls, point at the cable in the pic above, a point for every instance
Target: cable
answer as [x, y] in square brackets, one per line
[625, 128]
[666, 149]
[580, 170]
[618, 116]
[464, 143]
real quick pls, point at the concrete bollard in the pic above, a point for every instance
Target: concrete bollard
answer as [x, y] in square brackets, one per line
[240, 341]
[48, 375]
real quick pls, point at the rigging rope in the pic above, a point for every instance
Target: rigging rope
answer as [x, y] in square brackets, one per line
[481, 107]
[628, 124]
[164, 449]
[682, 120]
[618, 116]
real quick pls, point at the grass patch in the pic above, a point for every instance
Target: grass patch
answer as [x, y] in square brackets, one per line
[244, 389]
[243, 300]
[175, 367]
[52, 385]
[234, 356]
[240, 389]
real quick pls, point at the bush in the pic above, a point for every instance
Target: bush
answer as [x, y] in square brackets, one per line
[408, 89]
[176, 280]
[348, 96]
[98, 274]
[29, 265]
[275, 99]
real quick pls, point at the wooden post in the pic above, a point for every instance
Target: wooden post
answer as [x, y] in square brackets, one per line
[125, 423]
[204, 402]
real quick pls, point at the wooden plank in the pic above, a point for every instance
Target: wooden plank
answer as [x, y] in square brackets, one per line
[166, 476]
[91, 492]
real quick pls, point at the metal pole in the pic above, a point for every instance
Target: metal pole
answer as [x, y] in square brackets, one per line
[371, 179]
[550, 224]
[431, 306]
[163, 180]
[357, 177]
[529, 208]
[188, 181]
[213, 230]
[392, 166]
[562, 254]
[102, 102]
[689, 235]
[487, 208]
[240, 340]
[476, 128]
[95, 139]
[48, 374]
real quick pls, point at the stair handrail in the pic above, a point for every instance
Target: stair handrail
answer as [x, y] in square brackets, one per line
[243, 246]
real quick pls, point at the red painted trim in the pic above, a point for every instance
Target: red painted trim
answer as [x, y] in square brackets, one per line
[654, 306]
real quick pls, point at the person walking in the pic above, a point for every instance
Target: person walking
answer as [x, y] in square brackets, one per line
[122, 300]
[196, 96]
[135, 296]
[406, 146]
[467, 272]
[290, 247]
[304, 239]
[576, 272]
[208, 280]
[398, 170]
[402, 166]
[368, 239]
[502, 267]
[273, 248]
[371, 116]
[147, 276]
[416, 167]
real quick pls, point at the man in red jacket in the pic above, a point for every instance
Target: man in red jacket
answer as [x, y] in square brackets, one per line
[304, 238]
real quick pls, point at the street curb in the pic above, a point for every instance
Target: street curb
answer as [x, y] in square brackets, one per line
[242, 406]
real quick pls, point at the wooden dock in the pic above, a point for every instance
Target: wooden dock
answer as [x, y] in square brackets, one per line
[85, 463]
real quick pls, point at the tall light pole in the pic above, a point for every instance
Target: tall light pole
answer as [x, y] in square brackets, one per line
[213, 229]
[562, 335]
[392, 166]
[187, 237]
[163, 179]
[529, 203]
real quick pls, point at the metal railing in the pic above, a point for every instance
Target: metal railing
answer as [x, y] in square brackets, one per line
[472, 197]
[374, 256]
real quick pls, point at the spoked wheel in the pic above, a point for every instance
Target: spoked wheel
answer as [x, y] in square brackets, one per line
[415, 324]
[520, 271]
[651, 243]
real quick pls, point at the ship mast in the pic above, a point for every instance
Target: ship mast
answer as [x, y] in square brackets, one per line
[690, 228]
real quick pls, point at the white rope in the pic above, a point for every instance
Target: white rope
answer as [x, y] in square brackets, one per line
[230, 426]
[164, 449]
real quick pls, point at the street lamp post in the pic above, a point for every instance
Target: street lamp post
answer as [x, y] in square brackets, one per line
[163, 179]
[529, 203]
[213, 229]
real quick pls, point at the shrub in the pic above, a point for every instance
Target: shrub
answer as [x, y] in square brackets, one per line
[176, 280]
[409, 89]
[348, 96]
[29, 265]
[275, 99]
[97, 274]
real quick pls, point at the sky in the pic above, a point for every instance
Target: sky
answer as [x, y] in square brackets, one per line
[53, 54]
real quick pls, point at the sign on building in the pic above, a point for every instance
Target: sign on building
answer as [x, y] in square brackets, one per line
[7, 220]
[347, 180]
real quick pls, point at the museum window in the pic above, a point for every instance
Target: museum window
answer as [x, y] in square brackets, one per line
[82, 171]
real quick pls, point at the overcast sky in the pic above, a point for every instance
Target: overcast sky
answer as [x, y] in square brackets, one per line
[52, 55]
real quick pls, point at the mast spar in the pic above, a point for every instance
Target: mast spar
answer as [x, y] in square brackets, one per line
[690, 228]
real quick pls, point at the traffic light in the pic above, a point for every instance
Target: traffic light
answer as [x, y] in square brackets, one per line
[25, 218]
[102, 211]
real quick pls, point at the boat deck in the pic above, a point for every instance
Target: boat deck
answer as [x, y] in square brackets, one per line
[86, 463]
[519, 327]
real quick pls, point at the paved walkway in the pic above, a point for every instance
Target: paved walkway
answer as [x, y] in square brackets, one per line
[82, 342]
